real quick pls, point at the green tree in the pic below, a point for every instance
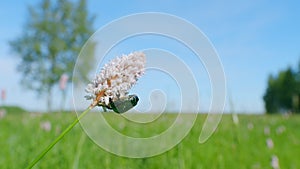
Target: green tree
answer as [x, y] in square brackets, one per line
[52, 38]
[282, 93]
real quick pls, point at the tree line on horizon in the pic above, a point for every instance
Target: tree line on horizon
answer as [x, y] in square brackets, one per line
[283, 92]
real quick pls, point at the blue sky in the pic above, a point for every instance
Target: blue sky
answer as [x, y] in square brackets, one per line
[253, 39]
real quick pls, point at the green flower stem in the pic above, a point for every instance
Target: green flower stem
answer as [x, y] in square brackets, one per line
[43, 153]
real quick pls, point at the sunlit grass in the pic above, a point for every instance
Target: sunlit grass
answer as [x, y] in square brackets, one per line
[22, 138]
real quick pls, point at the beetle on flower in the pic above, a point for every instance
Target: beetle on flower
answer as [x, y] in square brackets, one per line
[109, 90]
[110, 87]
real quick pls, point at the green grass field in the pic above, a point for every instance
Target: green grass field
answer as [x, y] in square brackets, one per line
[241, 147]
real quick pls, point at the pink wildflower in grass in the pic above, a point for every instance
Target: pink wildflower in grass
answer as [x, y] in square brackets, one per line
[270, 143]
[235, 119]
[275, 162]
[2, 113]
[286, 115]
[250, 126]
[281, 129]
[267, 130]
[46, 126]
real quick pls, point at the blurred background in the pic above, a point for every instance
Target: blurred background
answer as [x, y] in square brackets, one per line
[255, 42]
[258, 45]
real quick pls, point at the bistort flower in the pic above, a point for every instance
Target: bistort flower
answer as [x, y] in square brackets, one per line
[115, 79]
[109, 89]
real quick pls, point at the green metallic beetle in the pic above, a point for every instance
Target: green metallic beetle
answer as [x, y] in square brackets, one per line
[122, 105]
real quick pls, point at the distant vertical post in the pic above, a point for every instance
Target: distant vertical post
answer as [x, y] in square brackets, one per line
[3, 96]
[63, 85]
[299, 103]
[296, 103]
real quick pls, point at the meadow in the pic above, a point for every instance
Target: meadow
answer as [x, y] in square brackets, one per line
[233, 146]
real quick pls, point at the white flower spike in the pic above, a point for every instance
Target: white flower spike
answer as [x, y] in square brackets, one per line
[111, 85]
[109, 90]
